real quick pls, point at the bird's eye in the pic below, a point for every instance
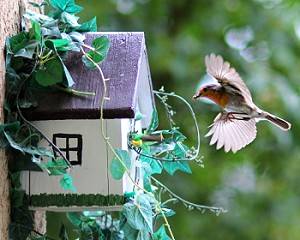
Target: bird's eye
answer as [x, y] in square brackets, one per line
[204, 89]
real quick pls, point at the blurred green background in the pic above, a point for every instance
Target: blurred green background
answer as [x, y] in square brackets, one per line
[259, 185]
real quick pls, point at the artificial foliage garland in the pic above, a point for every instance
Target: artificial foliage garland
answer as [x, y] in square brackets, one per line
[34, 56]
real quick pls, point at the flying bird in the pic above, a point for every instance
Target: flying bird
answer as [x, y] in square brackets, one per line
[235, 126]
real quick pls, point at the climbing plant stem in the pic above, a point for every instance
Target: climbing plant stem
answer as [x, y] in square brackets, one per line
[106, 139]
[189, 204]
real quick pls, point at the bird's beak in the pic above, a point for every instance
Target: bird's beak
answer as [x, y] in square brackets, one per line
[197, 95]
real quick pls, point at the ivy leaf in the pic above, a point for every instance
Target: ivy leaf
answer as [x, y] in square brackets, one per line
[38, 5]
[117, 169]
[172, 166]
[73, 45]
[35, 31]
[178, 136]
[161, 234]
[18, 41]
[57, 167]
[12, 142]
[139, 214]
[73, 8]
[66, 182]
[156, 167]
[50, 74]
[41, 18]
[147, 171]
[167, 212]
[77, 37]
[89, 26]
[50, 28]
[28, 51]
[154, 122]
[36, 151]
[59, 4]
[129, 232]
[68, 80]
[101, 46]
[147, 183]
[66, 5]
[52, 31]
[58, 44]
[87, 62]
[179, 152]
[70, 19]
[138, 116]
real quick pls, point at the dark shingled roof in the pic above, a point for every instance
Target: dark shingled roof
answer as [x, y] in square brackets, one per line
[122, 67]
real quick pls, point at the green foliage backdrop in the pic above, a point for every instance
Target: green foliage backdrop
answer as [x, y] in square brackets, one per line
[258, 185]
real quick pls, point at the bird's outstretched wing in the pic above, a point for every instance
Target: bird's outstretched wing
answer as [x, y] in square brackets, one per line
[227, 76]
[232, 134]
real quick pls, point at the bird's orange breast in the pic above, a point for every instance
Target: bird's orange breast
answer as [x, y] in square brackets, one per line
[219, 98]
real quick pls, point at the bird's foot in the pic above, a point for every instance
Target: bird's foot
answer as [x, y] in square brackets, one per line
[230, 116]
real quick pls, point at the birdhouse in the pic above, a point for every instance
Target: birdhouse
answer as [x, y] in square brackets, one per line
[73, 124]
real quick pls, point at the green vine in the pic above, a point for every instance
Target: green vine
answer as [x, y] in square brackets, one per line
[34, 61]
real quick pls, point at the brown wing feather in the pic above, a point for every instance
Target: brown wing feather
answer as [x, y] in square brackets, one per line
[227, 76]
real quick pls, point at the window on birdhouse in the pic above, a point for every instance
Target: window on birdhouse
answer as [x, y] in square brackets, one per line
[70, 145]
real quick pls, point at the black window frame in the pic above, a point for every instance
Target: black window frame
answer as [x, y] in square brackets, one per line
[66, 150]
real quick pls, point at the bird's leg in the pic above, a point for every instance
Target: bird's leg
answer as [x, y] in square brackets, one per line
[233, 116]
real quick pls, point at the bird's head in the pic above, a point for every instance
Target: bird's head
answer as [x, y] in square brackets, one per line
[206, 91]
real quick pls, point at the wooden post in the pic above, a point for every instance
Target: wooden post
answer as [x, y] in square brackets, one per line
[10, 11]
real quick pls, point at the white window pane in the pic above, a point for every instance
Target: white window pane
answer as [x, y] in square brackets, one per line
[73, 156]
[61, 142]
[73, 142]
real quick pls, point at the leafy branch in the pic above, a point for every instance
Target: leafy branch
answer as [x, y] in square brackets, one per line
[189, 205]
[189, 155]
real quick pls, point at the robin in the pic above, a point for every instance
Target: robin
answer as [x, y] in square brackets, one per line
[235, 126]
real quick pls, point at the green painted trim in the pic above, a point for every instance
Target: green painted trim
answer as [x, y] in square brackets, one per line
[68, 200]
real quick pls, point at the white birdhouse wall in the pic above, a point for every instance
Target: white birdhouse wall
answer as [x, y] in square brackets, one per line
[92, 176]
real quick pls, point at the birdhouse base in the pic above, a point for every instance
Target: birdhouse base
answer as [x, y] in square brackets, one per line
[116, 208]
[76, 202]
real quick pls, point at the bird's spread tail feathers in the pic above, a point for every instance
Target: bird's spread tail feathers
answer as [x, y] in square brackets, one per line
[279, 122]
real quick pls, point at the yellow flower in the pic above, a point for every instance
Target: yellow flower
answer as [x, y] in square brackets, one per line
[137, 143]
